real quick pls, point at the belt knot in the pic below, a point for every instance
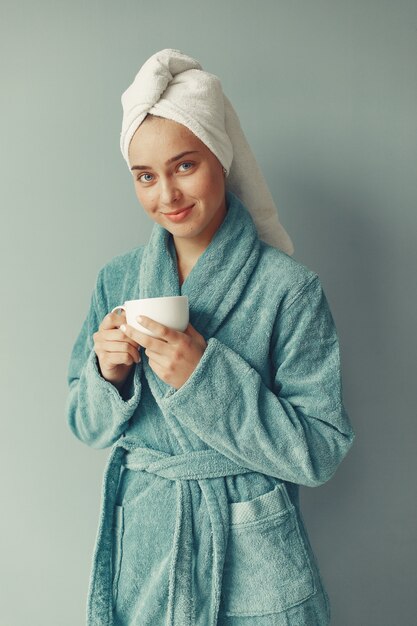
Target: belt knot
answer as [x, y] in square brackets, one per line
[194, 465]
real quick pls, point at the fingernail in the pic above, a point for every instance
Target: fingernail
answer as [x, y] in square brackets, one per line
[123, 328]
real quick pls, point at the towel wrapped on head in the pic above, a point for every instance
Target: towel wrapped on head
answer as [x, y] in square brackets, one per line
[173, 85]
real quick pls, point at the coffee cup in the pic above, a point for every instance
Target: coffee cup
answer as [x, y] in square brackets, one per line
[171, 311]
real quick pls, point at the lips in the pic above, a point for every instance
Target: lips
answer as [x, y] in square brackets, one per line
[179, 210]
[180, 215]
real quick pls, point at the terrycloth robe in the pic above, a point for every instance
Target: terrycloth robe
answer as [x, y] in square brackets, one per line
[200, 521]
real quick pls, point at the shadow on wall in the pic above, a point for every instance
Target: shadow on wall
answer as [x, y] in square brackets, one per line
[354, 255]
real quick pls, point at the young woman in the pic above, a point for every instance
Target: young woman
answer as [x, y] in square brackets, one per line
[213, 429]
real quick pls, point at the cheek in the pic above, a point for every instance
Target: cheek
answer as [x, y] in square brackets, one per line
[208, 185]
[145, 197]
[216, 189]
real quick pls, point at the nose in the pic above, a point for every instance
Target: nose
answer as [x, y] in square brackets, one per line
[169, 192]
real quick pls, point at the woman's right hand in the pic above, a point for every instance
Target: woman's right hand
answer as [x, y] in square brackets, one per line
[116, 353]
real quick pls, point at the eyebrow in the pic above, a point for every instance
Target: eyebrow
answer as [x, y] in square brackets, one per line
[171, 160]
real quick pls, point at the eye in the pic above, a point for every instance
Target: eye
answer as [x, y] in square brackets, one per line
[142, 178]
[187, 165]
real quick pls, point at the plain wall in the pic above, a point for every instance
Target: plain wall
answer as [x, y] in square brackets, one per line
[326, 93]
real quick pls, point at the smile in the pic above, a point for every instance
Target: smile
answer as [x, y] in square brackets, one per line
[179, 215]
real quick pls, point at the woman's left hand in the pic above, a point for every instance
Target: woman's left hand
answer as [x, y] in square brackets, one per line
[173, 355]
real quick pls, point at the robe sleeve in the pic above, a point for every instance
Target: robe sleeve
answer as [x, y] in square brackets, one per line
[298, 430]
[97, 413]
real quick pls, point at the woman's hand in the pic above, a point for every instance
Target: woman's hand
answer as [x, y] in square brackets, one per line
[115, 351]
[173, 355]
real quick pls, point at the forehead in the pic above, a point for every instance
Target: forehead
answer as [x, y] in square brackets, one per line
[159, 136]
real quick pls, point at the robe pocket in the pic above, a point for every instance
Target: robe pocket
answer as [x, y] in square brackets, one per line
[118, 530]
[267, 568]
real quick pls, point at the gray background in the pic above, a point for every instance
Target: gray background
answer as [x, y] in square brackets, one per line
[326, 93]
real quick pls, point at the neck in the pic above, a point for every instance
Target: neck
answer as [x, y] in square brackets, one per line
[189, 249]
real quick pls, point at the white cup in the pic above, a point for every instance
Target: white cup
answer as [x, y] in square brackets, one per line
[171, 311]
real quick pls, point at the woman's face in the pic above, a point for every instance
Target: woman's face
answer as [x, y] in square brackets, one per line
[172, 169]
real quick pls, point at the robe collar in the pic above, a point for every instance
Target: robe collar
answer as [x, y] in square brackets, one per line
[217, 279]
[219, 276]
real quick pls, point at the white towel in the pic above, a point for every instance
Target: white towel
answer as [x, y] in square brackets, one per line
[175, 86]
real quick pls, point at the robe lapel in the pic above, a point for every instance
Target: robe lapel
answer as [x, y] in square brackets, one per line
[216, 281]
[213, 287]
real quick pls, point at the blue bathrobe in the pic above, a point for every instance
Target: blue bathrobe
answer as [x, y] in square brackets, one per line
[200, 521]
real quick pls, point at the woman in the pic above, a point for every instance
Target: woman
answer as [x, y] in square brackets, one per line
[213, 429]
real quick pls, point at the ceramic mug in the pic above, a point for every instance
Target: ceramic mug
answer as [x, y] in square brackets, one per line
[171, 311]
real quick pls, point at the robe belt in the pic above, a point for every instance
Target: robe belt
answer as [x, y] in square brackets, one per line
[194, 465]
